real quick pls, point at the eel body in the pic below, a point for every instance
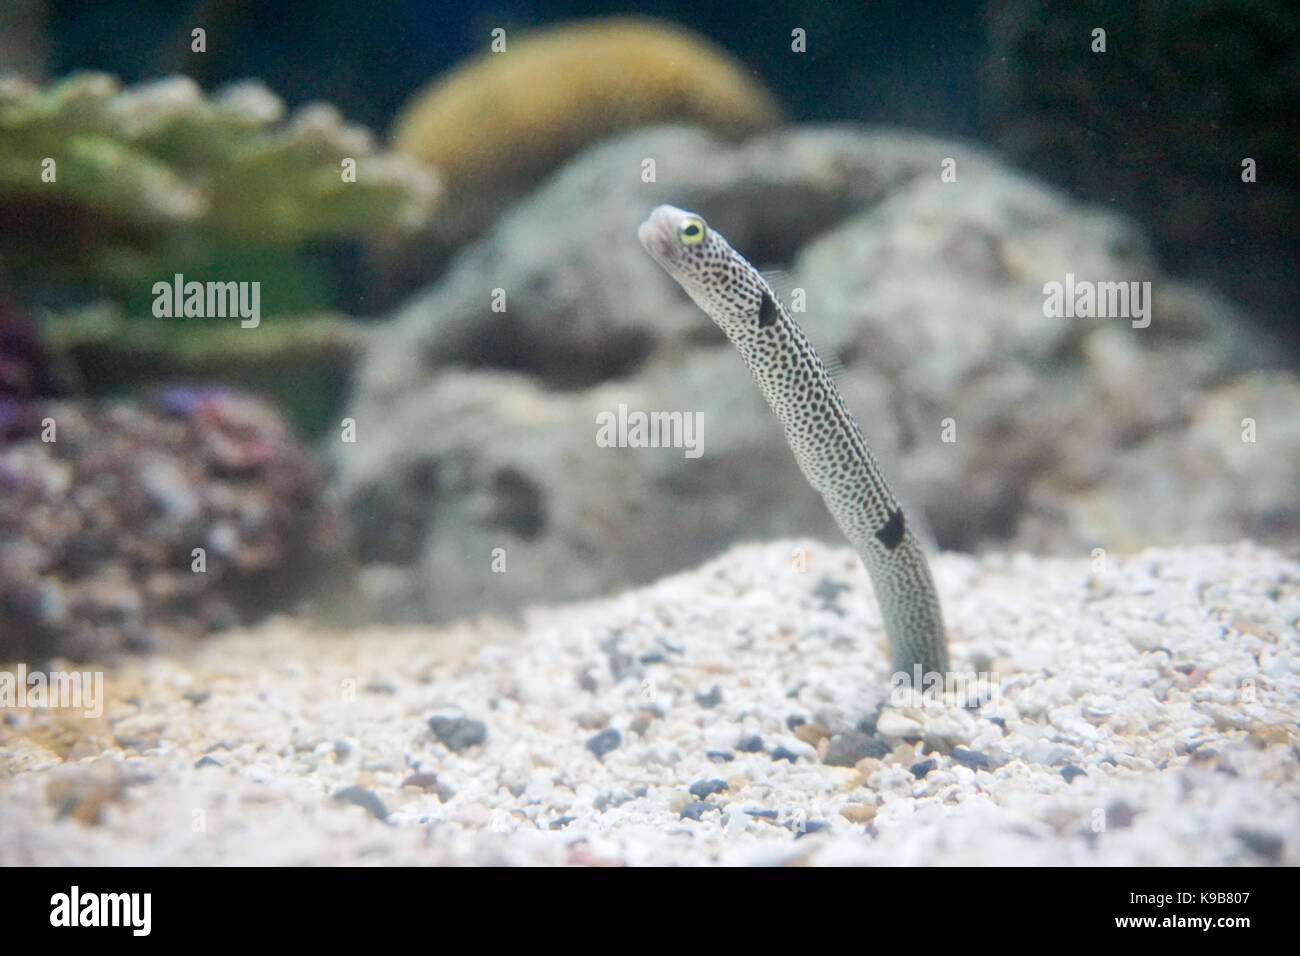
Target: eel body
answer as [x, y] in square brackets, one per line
[825, 438]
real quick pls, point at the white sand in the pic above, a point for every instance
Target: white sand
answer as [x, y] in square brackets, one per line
[1170, 679]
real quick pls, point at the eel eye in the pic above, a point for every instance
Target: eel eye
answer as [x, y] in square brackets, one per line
[691, 231]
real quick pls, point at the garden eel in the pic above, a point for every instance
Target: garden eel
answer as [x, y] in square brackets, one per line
[825, 439]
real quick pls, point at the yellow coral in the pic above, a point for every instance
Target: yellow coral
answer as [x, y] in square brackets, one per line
[505, 118]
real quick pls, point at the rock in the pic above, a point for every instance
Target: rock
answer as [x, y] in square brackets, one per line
[920, 769]
[1265, 844]
[458, 733]
[1120, 814]
[1231, 482]
[892, 724]
[363, 797]
[605, 741]
[850, 747]
[791, 748]
[82, 791]
[858, 813]
[970, 758]
[429, 783]
[710, 698]
[751, 744]
[812, 733]
[703, 788]
[1071, 771]
[828, 589]
[474, 421]
[802, 829]
[145, 525]
[696, 809]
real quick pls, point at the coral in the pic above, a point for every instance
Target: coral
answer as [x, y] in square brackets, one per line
[495, 126]
[510, 116]
[98, 526]
[28, 367]
[156, 174]
[298, 362]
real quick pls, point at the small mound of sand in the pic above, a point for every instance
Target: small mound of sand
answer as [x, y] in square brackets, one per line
[1140, 713]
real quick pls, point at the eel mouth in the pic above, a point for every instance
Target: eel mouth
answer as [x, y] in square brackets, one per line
[658, 233]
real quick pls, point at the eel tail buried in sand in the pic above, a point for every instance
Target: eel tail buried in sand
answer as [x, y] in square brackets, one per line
[824, 437]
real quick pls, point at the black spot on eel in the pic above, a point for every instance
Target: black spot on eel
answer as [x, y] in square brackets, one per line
[825, 439]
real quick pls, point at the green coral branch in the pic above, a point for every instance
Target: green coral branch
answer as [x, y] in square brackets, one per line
[162, 156]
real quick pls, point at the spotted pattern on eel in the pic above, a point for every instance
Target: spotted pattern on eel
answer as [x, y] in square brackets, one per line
[825, 438]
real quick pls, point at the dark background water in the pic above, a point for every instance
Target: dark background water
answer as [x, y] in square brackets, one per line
[915, 64]
[1188, 89]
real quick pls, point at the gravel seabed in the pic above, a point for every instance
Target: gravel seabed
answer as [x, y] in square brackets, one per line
[1145, 713]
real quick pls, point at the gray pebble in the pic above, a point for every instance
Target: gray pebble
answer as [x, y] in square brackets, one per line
[919, 770]
[781, 753]
[610, 799]
[703, 788]
[750, 745]
[429, 783]
[1119, 814]
[850, 747]
[711, 698]
[621, 663]
[811, 826]
[206, 762]
[1267, 845]
[971, 758]
[828, 589]
[1070, 771]
[695, 809]
[720, 756]
[458, 733]
[363, 797]
[605, 741]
